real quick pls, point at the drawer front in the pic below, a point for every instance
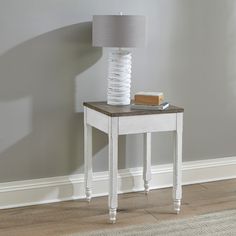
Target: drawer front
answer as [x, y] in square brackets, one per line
[147, 123]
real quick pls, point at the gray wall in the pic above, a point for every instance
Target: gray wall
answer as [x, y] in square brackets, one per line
[48, 68]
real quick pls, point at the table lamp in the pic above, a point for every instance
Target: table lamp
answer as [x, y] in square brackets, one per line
[119, 31]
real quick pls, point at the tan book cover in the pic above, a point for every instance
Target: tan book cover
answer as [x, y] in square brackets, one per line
[149, 98]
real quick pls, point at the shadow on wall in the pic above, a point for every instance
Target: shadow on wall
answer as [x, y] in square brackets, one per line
[39, 130]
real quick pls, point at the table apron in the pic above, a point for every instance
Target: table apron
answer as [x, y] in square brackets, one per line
[147, 123]
[98, 120]
[133, 124]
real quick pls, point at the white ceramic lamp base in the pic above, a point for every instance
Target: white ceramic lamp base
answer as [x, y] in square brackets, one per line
[119, 77]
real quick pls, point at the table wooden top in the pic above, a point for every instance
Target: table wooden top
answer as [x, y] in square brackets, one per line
[126, 110]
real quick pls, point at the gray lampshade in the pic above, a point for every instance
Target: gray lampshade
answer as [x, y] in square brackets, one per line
[119, 31]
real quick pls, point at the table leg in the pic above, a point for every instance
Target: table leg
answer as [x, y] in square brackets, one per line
[87, 157]
[177, 167]
[147, 161]
[113, 168]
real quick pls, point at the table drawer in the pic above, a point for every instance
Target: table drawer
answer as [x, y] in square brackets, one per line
[147, 123]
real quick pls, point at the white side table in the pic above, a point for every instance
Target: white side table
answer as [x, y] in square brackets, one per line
[118, 120]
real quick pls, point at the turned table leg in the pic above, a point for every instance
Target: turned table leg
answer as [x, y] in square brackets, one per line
[87, 157]
[147, 162]
[113, 168]
[177, 167]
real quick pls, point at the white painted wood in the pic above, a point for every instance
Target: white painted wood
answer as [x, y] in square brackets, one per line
[62, 188]
[177, 166]
[113, 167]
[87, 156]
[147, 123]
[147, 161]
[97, 119]
[131, 125]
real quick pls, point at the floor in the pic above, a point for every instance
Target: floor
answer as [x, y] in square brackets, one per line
[134, 208]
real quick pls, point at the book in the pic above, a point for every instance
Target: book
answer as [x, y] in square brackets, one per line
[149, 98]
[160, 107]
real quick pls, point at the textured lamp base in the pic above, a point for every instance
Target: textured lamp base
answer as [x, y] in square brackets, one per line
[119, 78]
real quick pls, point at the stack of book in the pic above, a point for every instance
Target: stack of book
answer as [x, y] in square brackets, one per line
[149, 101]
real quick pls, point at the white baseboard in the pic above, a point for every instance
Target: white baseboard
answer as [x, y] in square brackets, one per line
[47, 190]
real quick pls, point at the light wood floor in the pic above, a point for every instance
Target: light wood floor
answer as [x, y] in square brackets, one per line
[134, 208]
